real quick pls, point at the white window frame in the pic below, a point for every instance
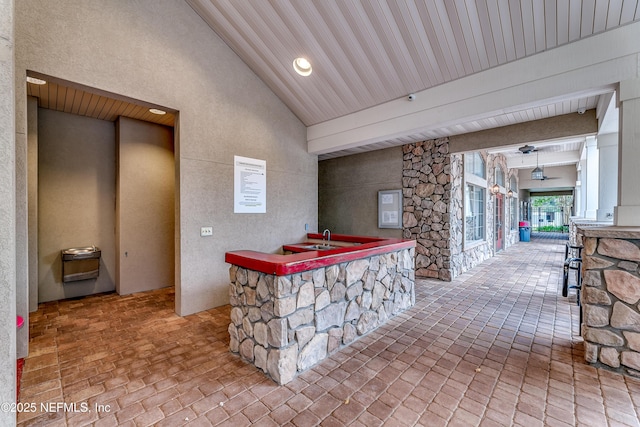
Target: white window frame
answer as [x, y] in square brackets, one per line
[499, 172]
[477, 181]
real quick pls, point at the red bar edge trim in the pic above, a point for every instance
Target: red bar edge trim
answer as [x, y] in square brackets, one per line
[283, 265]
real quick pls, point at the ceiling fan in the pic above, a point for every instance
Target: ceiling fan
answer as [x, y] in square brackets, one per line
[527, 149]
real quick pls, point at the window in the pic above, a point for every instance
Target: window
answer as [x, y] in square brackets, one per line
[474, 219]
[499, 176]
[475, 199]
[474, 164]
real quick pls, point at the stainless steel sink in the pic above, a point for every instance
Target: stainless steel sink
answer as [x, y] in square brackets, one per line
[321, 247]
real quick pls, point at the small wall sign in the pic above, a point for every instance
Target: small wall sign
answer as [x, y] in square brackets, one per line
[390, 209]
[250, 185]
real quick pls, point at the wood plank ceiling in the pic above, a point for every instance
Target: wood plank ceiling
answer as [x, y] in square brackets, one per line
[368, 52]
[72, 98]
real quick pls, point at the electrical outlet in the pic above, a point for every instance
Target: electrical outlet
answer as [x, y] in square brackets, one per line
[206, 231]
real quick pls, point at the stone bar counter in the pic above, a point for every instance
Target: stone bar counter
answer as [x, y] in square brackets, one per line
[290, 311]
[611, 293]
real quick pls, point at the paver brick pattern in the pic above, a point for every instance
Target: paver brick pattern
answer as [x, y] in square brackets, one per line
[497, 346]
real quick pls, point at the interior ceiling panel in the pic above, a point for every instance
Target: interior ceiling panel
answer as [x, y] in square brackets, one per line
[368, 52]
[72, 98]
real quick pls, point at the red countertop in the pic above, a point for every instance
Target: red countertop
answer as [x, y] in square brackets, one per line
[307, 259]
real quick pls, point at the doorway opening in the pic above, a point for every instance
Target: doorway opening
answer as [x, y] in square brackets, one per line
[102, 172]
[551, 213]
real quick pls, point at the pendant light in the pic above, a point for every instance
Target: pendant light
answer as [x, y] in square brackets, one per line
[537, 173]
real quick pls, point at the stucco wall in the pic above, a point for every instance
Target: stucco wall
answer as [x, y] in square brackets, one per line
[32, 202]
[561, 176]
[7, 215]
[348, 191]
[76, 193]
[163, 53]
[145, 206]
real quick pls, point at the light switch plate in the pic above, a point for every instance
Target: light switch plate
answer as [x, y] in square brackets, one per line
[206, 231]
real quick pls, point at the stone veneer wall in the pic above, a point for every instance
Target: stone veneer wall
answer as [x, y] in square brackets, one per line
[286, 324]
[465, 258]
[611, 313]
[426, 189]
[433, 191]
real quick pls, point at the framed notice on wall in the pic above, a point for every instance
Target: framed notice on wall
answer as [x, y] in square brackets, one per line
[390, 209]
[249, 185]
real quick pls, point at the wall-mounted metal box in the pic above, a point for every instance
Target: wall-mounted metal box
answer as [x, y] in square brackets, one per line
[80, 263]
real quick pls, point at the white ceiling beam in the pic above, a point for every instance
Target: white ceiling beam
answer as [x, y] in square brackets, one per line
[566, 126]
[589, 66]
[531, 160]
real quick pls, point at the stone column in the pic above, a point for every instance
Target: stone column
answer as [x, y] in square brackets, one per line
[607, 176]
[7, 213]
[590, 178]
[426, 189]
[611, 292]
[627, 212]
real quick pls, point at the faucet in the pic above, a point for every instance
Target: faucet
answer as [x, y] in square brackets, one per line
[326, 234]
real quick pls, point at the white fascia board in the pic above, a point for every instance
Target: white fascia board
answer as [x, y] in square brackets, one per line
[590, 66]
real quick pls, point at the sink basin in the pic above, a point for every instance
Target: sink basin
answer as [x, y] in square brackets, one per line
[321, 247]
[75, 251]
[81, 253]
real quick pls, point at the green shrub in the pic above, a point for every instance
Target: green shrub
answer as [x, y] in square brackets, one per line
[551, 228]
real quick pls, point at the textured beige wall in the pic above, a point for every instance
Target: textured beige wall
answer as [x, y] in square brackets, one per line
[76, 199]
[32, 201]
[161, 51]
[145, 207]
[567, 125]
[348, 191]
[560, 176]
[7, 215]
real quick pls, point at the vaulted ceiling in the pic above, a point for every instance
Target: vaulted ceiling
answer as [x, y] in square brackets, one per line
[366, 53]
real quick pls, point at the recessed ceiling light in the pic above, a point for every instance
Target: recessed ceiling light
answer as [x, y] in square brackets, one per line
[36, 81]
[302, 66]
[156, 111]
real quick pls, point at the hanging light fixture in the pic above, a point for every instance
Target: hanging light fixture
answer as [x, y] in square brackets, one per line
[537, 173]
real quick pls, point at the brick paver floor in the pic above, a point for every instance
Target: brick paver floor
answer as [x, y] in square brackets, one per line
[497, 346]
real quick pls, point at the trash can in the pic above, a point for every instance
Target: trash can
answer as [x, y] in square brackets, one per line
[80, 263]
[525, 231]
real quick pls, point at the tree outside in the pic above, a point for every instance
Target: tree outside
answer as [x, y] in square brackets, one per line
[551, 213]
